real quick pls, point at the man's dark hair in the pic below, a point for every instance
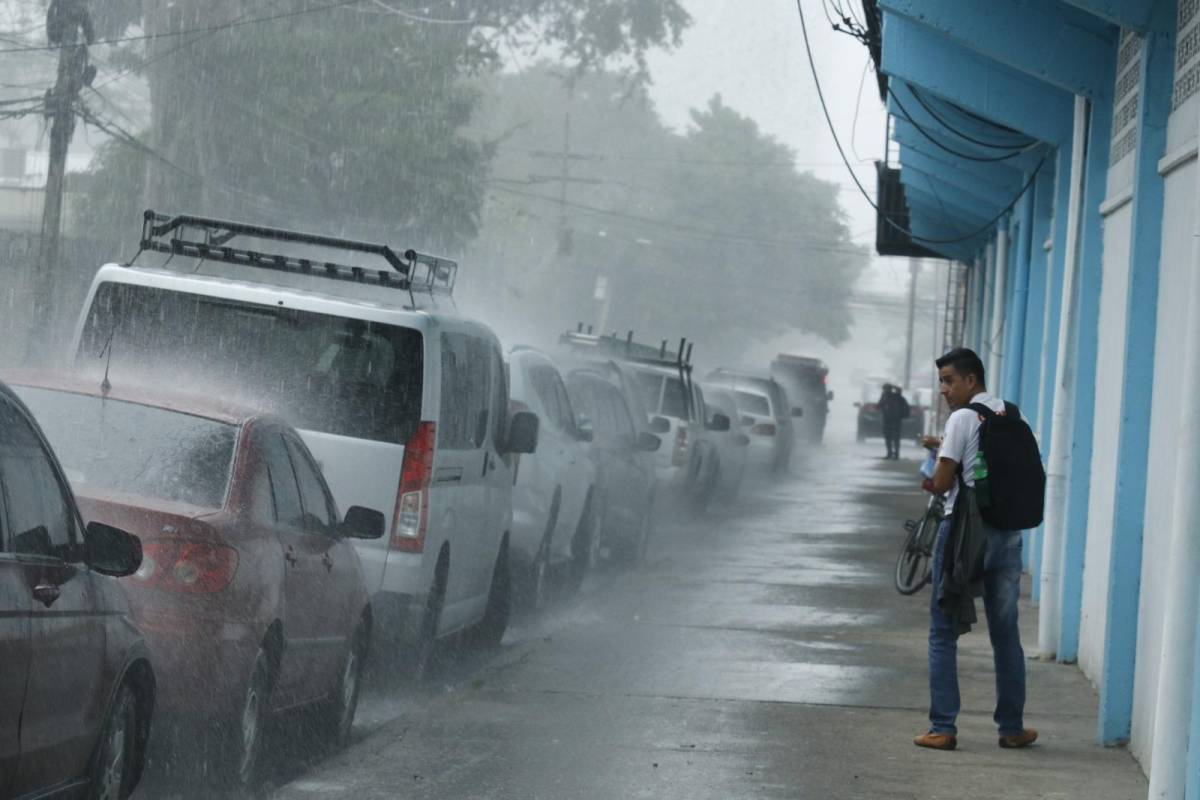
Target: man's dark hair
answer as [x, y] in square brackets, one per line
[965, 362]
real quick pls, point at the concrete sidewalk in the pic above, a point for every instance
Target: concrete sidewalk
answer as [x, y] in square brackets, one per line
[761, 653]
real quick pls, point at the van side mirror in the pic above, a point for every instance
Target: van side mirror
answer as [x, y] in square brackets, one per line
[719, 423]
[111, 551]
[523, 432]
[363, 523]
[648, 442]
[660, 425]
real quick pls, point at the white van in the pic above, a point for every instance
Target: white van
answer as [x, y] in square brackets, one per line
[405, 409]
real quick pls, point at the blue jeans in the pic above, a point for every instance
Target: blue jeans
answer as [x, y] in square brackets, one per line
[1002, 588]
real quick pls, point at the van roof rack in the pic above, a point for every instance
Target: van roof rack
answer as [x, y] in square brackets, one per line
[208, 239]
[626, 349]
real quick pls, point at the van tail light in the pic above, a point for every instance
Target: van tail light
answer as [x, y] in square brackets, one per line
[764, 429]
[185, 566]
[679, 455]
[411, 519]
[515, 407]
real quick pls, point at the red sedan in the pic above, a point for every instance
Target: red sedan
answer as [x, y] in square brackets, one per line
[249, 594]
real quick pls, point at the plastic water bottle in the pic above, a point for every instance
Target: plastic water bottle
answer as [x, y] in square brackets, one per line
[983, 494]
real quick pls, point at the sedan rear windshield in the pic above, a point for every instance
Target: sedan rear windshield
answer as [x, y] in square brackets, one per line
[321, 372]
[135, 449]
[751, 403]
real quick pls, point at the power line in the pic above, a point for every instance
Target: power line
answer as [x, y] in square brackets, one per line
[833, 132]
[236, 23]
[921, 129]
[928, 107]
[694, 233]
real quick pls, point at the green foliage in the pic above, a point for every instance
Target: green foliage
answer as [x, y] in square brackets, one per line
[712, 234]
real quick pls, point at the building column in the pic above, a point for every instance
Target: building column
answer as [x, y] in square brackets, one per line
[999, 309]
[1141, 322]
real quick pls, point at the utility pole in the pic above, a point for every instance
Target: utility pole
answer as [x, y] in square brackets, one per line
[69, 27]
[914, 269]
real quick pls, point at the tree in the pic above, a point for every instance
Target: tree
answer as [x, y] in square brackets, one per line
[711, 235]
[347, 116]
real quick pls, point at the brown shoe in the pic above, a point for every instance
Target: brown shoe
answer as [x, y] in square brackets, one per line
[937, 741]
[1022, 739]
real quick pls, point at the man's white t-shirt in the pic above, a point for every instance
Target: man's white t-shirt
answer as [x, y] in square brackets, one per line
[960, 442]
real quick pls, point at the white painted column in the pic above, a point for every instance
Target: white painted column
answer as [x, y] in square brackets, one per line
[999, 311]
[985, 306]
[1176, 677]
[1047, 315]
[1059, 463]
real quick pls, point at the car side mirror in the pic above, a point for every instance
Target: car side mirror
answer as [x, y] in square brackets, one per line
[363, 523]
[660, 425]
[111, 551]
[584, 430]
[648, 442]
[797, 412]
[523, 432]
[719, 423]
[829, 395]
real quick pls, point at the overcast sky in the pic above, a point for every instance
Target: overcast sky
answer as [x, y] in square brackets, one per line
[752, 53]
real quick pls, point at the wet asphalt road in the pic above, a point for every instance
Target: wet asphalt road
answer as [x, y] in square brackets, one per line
[760, 652]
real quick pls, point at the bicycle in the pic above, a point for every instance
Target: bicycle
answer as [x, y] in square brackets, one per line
[915, 563]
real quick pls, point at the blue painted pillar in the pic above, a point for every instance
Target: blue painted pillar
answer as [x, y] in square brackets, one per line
[1036, 335]
[1082, 415]
[1035, 319]
[1058, 254]
[1014, 348]
[1137, 381]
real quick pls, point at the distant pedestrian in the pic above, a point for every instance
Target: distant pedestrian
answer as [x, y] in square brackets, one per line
[961, 377]
[893, 410]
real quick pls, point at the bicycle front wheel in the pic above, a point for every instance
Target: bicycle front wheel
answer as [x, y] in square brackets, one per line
[916, 556]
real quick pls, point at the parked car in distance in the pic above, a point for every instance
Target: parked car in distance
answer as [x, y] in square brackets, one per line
[556, 513]
[405, 408]
[805, 380]
[732, 445]
[624, 458]
[77, 687]
[767, 414]
[249, 592]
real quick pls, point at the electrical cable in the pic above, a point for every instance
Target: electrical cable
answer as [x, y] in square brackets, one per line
[947, 148]
[236, 23]
[928, 107]
[833, 132]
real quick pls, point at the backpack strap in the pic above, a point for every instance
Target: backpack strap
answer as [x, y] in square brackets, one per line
[982, 410]
[1011, 410]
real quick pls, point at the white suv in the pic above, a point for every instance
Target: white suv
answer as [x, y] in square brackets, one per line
[405, 409]
[555, 512]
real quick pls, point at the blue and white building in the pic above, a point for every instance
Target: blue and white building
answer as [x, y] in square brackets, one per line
[1051, 146]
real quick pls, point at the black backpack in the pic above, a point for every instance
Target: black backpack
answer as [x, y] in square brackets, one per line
[1013, 496]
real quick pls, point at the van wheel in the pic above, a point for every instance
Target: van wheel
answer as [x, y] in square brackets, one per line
[116, 751]
[249, 727]
[499, 603]
[342, 705]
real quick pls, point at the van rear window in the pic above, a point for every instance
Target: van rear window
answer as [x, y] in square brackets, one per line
[321, 372]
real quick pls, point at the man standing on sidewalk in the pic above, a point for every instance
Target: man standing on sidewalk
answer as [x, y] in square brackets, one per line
[961, 377]
[893, 409]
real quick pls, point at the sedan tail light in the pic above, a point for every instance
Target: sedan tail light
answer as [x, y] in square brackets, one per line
[764, 429]
[189, 567]
[412, 496]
